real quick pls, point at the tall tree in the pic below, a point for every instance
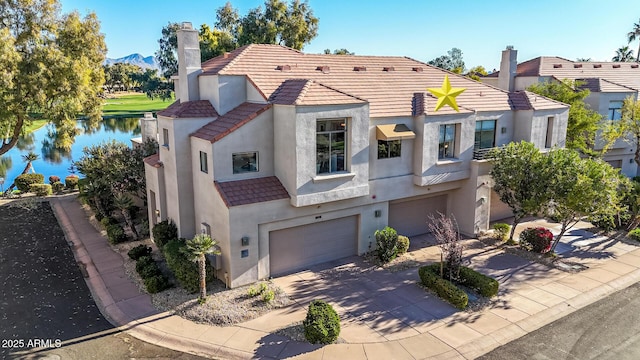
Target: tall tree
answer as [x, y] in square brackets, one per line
[342, 51]
[583, 123]
[623, 54]
[197, 249]
[635, 35]
[452, 61]
[167, 56]
[627, 127]
[520, 174]
[51, 66]
[475, 72]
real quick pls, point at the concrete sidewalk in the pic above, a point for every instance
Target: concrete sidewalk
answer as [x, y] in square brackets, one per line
[394, 321]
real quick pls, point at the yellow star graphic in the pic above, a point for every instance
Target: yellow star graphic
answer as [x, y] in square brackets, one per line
[446, 95]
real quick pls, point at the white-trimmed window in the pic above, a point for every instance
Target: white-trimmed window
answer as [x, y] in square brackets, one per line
[245, 162]
[615, 110]
[204, 164]
[447, 142]
[331, 146]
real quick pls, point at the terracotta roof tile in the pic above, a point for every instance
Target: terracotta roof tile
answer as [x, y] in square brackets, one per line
[309, 92]
[519, 101]
[229, 122]
[189, 109]
[153, 160]
[389, 93]
[251, 191]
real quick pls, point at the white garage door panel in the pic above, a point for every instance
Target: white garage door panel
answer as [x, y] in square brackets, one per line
[499, 210]
[409, 218]
[302, 246]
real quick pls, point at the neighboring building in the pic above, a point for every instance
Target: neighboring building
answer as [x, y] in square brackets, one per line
[291, 159]
[609, 82]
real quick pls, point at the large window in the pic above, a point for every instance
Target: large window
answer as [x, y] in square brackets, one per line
[331, 149]
[245, 162]
[389, 149]
[447, 142]
[204, 164]
[615, 110]
[485, 134]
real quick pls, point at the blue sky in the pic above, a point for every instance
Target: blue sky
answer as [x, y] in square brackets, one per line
[421, 30]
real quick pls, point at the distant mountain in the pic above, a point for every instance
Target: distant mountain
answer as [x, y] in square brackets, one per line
[148, 62]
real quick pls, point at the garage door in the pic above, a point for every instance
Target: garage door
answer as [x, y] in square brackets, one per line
[409, 218]
[299, 247]
[499, 210]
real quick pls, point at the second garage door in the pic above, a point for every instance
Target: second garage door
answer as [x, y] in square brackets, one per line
[299, 247]
[409, 218]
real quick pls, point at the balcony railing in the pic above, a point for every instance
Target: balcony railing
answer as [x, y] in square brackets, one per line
[481, 154]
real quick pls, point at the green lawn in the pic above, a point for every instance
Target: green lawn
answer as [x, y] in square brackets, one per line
[35, 125]
[132, 105]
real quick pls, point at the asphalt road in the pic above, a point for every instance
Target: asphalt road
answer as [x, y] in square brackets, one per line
[607, 329]
[46, 308]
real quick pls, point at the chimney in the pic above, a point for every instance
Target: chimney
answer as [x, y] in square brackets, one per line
[148, 127]
[189, 65]
[508, 67]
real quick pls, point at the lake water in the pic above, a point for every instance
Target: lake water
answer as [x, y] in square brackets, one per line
[54, 161]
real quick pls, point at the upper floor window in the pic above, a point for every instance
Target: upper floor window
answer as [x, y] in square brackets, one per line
[331, 149]
[615, 110]
[485, 134]
[245, 162]
[204, 164]
[447, 142]
[165, 137]
[389, 149]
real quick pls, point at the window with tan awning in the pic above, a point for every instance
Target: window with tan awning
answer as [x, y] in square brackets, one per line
[391, 132]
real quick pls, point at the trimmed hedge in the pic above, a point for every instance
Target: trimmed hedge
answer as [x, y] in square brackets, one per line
[139, 251]
[155, 284]
[24, 181]
[386, 244]
[163, 232]
[116, 233]
[185, 271]
[502, 231]
[403, 244]
[57, 187]
[634, 234]
[41, 189]
[430, 277]
[71, 182]
[322, 323]
[482, 284]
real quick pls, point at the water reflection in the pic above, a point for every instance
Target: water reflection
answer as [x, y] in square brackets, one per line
[56, 160]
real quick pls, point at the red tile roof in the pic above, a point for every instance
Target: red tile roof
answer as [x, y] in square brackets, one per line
[189, 109]
[153, 160]
[251, 191]
[526, 100]
[309, 92]
[389, 93]
[229, 122]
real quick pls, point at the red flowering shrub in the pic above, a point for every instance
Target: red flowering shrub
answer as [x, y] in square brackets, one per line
[536, 239]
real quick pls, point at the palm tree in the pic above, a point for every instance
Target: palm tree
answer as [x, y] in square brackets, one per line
[123, 202]
[623, 54]
[29, 158]
[197, 248]
[633, 35]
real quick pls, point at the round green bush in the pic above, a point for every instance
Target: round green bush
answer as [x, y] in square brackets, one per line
[57, 187]
[139, 251]
[148, 269]
[322, 324]
[41, 189]
[107, 220]
[163, 232]
[71, 182]
[501, 231]
[116, 234]
[24, 181]
[155, 284]
[634, 234]
[386, 244]
[536, 239]
[403, 244]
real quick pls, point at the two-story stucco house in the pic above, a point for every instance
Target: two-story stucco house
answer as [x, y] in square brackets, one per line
[609, 83]
[291, 159]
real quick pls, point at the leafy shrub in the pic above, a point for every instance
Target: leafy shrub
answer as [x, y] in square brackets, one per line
[54, 179]
[71, 182]
[163, 232]
[155, 284]
[322, 323]
[24, 181]
[430, 277]
[268, 296]
[536, 239]
[403, 244]
[139, 251]
[255, 290]
[634, 234]
[484, 285]
[144, 228]
[107, 220]
[148, 269]
[502, 231]
[57, 187]
[116, 234]
[40, 189]
[185, 271]
[387, 244]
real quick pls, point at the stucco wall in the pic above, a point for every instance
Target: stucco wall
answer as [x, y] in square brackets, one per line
[209, 89]
[233, 92]
[284, 152]
[389, 167]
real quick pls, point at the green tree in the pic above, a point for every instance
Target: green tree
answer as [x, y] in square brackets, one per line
[635, 35]
[476, 71]
[51, 66]
[197, 249]
[452, 61]
[124, 202]
[623, 54]
[167, 56]
[342, 51]
[28, 159]
[583, 123]
[520, 175]
[627, 128]
[214, 42]
[581, 187]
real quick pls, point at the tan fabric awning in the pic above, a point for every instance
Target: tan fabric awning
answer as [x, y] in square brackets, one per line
[390, 132]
